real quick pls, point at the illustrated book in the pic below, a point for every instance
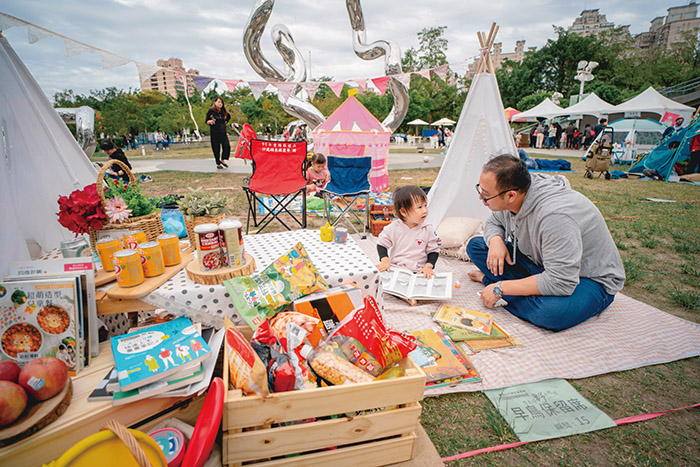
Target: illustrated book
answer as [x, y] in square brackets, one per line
[403, 283]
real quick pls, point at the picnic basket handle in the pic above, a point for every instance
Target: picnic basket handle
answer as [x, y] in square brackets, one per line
[103, 171]
[128, 439]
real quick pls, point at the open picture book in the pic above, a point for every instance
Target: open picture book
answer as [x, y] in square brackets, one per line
[406, 284]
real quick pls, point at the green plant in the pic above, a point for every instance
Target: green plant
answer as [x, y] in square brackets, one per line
[132, 196]
[199, 203]
[688, 299]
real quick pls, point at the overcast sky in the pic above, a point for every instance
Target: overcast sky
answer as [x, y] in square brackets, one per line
[207, 35]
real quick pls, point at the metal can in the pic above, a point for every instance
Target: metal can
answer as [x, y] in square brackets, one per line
[127, 265]
[133, 238]
[105, 249]
[151, 259]
[75, 248]
[231, 231]
[340, 235]
[170, 244]
[208, 246]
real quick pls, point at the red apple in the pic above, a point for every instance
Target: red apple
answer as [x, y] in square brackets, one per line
[44, 377]
[9, 371]
[13, 401]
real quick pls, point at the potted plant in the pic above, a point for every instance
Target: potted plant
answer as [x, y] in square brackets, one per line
[199, 207]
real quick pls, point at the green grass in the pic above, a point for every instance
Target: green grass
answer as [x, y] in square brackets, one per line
[660, 248]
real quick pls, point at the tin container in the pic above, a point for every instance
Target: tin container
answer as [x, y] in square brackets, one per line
[340, 235]
[75, 248]
[151, 259]
[133, 238]
[208, 246]
[105, 249]
[231, 231]
[127, 265]
[170, 244]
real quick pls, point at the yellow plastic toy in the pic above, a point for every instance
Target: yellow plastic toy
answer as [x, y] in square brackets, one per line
[107, 449]
[327, 233]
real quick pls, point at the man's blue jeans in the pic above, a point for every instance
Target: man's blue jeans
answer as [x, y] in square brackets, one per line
[550, 312]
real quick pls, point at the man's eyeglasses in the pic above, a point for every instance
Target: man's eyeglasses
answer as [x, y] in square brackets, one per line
[486, 200]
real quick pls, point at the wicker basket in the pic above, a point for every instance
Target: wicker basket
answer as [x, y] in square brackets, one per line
[192, 221]
[151, 224]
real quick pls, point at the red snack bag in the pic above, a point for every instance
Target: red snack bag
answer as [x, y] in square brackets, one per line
[247, 371]
[280, 372]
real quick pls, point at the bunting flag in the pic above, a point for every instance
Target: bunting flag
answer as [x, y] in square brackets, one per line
[202, 81]
[75, 47]
[404, 78]
[257, 87]
[7, 22]
[441, 72]
[424, 73]
[336, 86]
[380, 83]
[110, 60]
[146, 71]
[285, 89]
[35, 34]
[361, 84]
[311, 88]
[231, 83]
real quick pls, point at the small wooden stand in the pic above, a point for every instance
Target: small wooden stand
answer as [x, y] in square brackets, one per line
[218, 276]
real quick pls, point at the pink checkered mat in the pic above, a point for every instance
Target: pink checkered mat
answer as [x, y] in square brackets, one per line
[629, 334]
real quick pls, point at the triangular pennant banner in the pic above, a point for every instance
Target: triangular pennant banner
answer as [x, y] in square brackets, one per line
[380, 83]
[285, 89]
[404, 78]
[336, 87]
[110, 60]
[441, 71]
[35, 34]
[7, 22]
[361, 84]
[311, 88]
[231, 83]
[257, 87]
[202, 82]
[145, 70]
[75, 48]
[424, 73]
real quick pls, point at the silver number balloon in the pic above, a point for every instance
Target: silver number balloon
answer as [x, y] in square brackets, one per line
[84, 119]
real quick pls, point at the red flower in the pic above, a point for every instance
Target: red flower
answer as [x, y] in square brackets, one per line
[81, 210]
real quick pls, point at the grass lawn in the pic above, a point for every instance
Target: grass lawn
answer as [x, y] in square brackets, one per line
[659, 244]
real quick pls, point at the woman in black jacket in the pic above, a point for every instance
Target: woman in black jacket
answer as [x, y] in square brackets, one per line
[217, 119]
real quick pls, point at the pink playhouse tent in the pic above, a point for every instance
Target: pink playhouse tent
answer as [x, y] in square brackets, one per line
[353, 131]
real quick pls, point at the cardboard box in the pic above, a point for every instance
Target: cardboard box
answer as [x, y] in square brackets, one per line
[330, 306]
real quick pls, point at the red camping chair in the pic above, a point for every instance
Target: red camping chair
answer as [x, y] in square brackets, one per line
[277, 173]
[243, 147]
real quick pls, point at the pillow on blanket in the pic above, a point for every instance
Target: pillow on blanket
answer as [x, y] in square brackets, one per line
[454, 231]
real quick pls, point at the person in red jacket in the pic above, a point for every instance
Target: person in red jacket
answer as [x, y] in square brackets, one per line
[694, 164]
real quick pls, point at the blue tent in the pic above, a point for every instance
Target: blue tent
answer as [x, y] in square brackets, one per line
[673, 150]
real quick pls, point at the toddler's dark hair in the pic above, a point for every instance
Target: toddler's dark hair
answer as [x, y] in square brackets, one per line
[405, 197]
[318, 158]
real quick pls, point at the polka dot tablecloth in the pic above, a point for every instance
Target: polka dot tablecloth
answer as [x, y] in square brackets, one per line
[337, 263]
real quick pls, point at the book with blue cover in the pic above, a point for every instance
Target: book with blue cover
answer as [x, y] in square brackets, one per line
[148, 355]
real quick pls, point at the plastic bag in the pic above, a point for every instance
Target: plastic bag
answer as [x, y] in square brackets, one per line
[173, 222]
[247, 371]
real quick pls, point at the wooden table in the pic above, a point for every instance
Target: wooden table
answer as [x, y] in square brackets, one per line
[84, 418]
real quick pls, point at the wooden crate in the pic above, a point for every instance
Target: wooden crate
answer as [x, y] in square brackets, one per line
[372, 439]
[377, 226]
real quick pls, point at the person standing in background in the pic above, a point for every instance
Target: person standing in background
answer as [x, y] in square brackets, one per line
[217, 119]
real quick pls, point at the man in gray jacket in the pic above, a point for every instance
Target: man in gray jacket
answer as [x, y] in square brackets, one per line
[546, 249]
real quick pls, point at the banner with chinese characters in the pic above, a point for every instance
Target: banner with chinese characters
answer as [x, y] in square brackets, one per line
[547, 409]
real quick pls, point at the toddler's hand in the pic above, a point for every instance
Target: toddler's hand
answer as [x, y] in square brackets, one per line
[383, 264]
[427, 271]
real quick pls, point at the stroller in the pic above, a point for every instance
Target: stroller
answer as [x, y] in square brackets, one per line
[599, 154]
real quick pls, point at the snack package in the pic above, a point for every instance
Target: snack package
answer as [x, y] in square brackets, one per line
[279, 324]
[247, 371]
[261, 296]
[361, 342]
[281, 374]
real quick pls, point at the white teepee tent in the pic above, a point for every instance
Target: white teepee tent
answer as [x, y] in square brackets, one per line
[482, 132]
[40, 161]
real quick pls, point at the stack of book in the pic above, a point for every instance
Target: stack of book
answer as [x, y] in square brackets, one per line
[473, 328]
[441, 360]
[162, 360]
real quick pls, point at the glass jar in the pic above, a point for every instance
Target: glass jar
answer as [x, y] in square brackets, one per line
[75, 248]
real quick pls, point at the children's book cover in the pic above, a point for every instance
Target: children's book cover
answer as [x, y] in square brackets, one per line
[148, 355]
[465, 319]
[459, 334]
[438, 362]
[471, 375]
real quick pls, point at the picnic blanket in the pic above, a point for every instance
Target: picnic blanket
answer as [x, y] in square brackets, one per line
[629, 334]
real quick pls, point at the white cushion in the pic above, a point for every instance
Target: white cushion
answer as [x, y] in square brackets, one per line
[454, 231]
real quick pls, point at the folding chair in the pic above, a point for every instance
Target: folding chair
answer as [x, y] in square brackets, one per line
[277, 173]
[349, 179]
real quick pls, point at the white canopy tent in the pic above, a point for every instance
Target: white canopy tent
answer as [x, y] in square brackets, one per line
[418, 121]
[545, 109]
[40, 162]
[443, 121]
[591, 105]
[651, 101]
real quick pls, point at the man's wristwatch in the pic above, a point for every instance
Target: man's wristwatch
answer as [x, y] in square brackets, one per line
[497, 290]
